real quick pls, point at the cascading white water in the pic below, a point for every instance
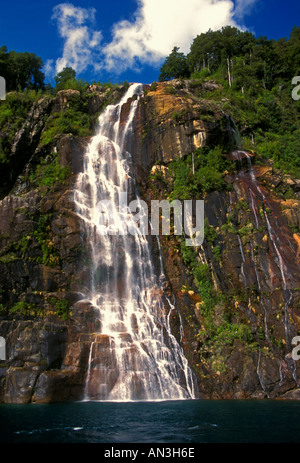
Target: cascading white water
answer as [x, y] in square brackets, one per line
[271, 232]
[134, 356]
[254, 194]
[283, 268]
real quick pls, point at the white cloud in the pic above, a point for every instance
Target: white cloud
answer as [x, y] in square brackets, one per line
[81, 41]
[49, 68]
[243, 7]
[157, 26]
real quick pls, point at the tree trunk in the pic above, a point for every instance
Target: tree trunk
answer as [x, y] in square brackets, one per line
[193, 163]
[228, 70]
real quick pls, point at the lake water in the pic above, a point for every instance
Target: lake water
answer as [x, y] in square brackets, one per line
[182, 422]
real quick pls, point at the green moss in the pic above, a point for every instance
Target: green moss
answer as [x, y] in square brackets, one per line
[68, 121]
[210, 233]
[217, 252]
[179, 116]
[8, 258]
[23, 248]
[26, 309]
[47, 173]
[62, 307]
[42, 234]
[3, 309]
[202, 277]
[13, 113]
[171, 90]
[246, 232]
[198, 173]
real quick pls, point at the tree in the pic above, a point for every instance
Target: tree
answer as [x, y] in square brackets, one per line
[204, 52]
[21, 70]
[294, 51]
[64, 77]
[175, 66]
[3, 60]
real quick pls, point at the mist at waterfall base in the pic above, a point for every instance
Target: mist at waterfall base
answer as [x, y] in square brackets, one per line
[189, 422]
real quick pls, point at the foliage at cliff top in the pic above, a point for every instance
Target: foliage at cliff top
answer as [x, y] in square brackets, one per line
[21, 70]
[255, 88]
[238, 57]
[255, 77]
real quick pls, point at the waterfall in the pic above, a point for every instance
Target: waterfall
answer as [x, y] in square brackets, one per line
[276, 243]
[238, 153]
[234, 138]
[271, 231]
[134, 356]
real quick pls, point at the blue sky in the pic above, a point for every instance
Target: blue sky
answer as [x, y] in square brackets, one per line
[121, 40]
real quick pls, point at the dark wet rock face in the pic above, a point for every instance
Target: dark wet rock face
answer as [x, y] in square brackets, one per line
[253, 258]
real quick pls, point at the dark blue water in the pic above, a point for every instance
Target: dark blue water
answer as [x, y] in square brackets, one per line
[162, 422]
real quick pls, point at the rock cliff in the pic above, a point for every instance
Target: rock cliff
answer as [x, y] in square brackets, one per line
[241, 347]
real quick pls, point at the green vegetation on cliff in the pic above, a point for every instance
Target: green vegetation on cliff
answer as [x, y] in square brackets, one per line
[228, 73]
[255, 85]
[200, 172]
